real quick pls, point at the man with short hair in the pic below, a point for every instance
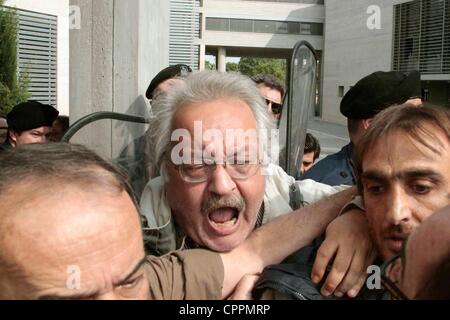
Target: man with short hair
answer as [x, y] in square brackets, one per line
[403, 169]
[403, 162]
[273, 92]
[86, 239]
[217, 184]
[29, 122]
[136, 156]
[59, 128]
[360, 105]
[311, 153]
[166, 78]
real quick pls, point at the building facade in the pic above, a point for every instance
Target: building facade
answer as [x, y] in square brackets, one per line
[240, 28]
[118, 46]
[365, 36]
[43, 49]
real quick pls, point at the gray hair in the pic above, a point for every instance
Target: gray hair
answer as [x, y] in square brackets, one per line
[202, 87]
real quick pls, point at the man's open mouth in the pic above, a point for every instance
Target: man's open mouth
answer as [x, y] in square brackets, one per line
[395, 242]
[224, 220]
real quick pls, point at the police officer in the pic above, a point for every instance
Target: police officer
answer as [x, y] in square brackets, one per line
[366, 99]
[166, 78]
[135, 158]
[29, 122]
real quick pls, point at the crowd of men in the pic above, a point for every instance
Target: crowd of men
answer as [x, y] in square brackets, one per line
[217, 217]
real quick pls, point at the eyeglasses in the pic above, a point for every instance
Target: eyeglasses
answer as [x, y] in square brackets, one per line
[388, 280]
[203, 172]
[276, 107]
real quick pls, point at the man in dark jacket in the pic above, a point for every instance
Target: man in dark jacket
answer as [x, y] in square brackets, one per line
[29, 122]
[362, 102]
[403, 169]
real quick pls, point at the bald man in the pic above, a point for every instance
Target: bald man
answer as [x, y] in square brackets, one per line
[71, 230]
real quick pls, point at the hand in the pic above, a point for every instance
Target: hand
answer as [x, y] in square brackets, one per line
[348, 242]
[244, 288]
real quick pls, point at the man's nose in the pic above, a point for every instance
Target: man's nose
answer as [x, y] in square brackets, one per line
[221, 182]
[400, 206]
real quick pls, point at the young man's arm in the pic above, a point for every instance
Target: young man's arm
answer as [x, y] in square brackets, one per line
[274, 241]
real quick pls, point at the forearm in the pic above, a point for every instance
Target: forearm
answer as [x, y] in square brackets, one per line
[274, 241]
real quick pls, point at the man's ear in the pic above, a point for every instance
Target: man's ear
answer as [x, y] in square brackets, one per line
[12, 137]
[366, 123]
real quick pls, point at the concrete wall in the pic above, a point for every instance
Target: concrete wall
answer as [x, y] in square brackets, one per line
[119, 48]
[352, 50]
[59, 8]
[264, 10]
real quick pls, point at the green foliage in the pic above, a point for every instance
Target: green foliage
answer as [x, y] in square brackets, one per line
[209, 66]
[254, 66]
[232, 67]
[13, 90]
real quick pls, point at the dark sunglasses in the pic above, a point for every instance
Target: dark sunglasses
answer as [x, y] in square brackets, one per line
[276, 107]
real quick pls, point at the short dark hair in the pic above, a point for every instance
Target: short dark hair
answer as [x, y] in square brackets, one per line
[410, 119]
[353, 125]
[269, 81]
[57, 164]
[312, 145]
[64, 122]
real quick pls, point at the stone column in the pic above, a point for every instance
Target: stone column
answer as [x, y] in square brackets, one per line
[120, 47]
[221, 59]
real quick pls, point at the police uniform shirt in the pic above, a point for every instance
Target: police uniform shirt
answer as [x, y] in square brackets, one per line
[334, 170]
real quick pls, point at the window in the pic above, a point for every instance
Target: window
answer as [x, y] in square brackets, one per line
[36, 48]
[241, 25]
[305, 28]
[341, 91]
[263, 26]
[217, 24]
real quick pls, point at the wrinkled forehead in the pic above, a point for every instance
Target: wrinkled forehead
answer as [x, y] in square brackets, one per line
[424, 141]
[206, 121]
[58, 206]
[73, 227]
[222, 113]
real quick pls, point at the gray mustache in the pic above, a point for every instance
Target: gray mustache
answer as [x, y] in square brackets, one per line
[215, 203]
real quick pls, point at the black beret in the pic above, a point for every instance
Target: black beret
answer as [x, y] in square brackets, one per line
[378, 91]
[167, 73]
[30, 115]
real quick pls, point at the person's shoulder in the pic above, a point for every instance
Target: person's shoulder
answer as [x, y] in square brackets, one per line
[323, 167]
[334, 169]
[153, 197]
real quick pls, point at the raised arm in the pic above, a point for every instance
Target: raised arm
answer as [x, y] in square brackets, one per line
[274, 241]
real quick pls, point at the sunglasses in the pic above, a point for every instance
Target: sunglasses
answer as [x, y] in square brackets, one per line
[276, 107]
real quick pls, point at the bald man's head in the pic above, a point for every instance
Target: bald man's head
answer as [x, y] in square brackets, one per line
[69, 227]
